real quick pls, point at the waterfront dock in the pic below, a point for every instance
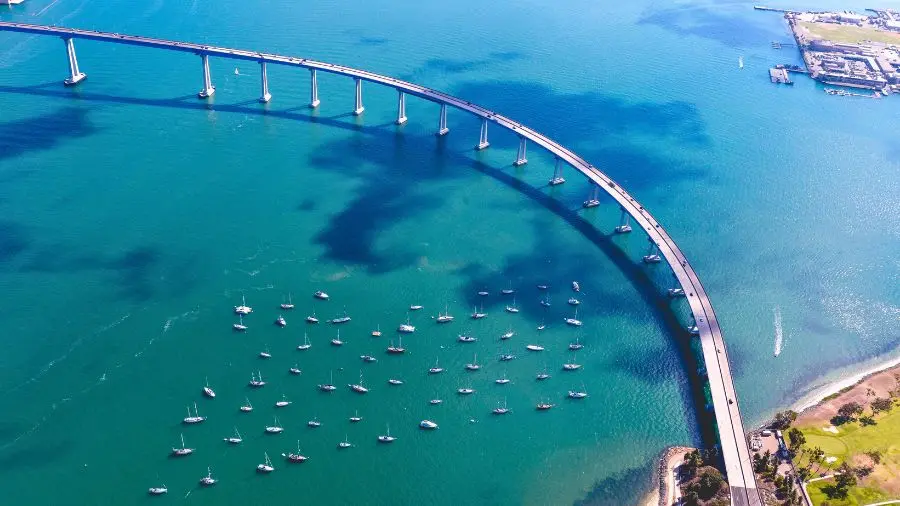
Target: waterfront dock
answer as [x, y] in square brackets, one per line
[779, 75]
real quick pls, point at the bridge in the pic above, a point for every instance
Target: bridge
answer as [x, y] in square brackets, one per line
[735, 452]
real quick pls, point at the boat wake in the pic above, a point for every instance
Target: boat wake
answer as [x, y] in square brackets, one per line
[779, 333]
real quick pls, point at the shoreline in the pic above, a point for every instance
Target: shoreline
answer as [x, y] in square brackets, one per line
[845, 380]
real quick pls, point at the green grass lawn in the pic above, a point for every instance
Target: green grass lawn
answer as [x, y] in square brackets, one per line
[853, 439]
[849, 33]
[858, 496]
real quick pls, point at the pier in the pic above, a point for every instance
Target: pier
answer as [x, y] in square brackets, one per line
[732, 438]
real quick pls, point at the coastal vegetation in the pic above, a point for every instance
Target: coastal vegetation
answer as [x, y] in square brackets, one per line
[702, 483]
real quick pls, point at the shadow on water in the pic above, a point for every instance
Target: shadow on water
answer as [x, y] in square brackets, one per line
[13, 240]
[713, 22]
[619, 489]
[43, 132]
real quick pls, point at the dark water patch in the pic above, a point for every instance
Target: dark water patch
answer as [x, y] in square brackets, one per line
[452, 66]
[36, 453]
[306, 205]
[14, 239]
[44, 132]
[619, 489]
[372, 41]
[716, 22]
[813, 325]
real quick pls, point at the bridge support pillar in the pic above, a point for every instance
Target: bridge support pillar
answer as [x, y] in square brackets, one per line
[520, 155]
[483, 138]
[593, 199]
[624, 225]
[265, 96]
[442, 122]
[75, 75]
[401, 108]
[208, 88]
[557, 173]
[313, 89]
[358, 108]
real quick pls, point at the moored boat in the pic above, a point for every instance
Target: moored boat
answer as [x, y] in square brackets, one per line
[183, 451]
[266, 467]
[428, 425]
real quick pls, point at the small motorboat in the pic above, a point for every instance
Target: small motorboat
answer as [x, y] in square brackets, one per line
[387, 438]
[623, 229]
[542, 287]
[236, 439]
[534, 347]
[265, 468]
[435, 402]
[466, 339]
[195, 418]
[428, 425]
[575, 286]
[314, 423]
[208, 480]
[483, 293]
[295, 370]
[544, 406]
[368, 358]
[377, 332]
[283, 402]
[573, 394]
[541, 327]
[209, 391]
[289, 305]
[158, 490]
[694, 330]
[280, 321]
[265, 353]
[312, 318]
[394, 382]
[246, 408]
[183, 451]
[295, 458]
[506, 357]
[274, 429]
[676, 292]
[465, 391]
[237, 72]
[256, 381]
[305, 345]
[573, 301]
[320, 295]
[415, 307]
[243, 309]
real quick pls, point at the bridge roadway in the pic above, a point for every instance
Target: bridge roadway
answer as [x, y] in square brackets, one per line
[735, 452]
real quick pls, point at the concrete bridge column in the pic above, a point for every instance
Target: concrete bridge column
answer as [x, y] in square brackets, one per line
[442, 122]
[594, 198]
[520, 155]
[401, 108]
[624, 225]
[208, 88]
[265, 95]
[483, 139]
[358, 109]
[75, 75]
[557, 173]
[313, 89]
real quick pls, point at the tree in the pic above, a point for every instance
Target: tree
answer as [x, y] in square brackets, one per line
[796, 438]
[803, 473]
[692, 461]
[881, 404]
[844, 480]
[784, 419]
[867, 420]
[710, 483]
[850, 410]
[875, 455]
[692, 499]
[815, 456]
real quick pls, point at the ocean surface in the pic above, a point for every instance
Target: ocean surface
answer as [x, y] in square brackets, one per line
[134, 216]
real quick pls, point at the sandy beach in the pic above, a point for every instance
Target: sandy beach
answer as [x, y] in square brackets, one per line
[887, 367]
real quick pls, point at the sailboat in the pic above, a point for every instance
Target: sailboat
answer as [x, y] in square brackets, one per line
[289, 305]
[465, 391]
[578, 394]
[474, 365]
[208, 480]
[506, 357]
[509, 333]
[483, 293]
[340, 319]
[572, 366]
[195, 418]
[574, 321]
[355, 418]
[243, 308]
[265, 468]
[283, 402]
[477, 315]
[295, 370]
[236, 439]
[208, 391]
[265, 353]
[544, 406]
[395, 382]
[502, 380]
[406, 328]
[465, 338]
[500, 410]
[158, 490]
[576, 345]
[320, 295]
[312, 318]
[328, 387]
[337, 340]
[436, 369]
[415, 307]
[246, 408]
[740, 62]
[541, 376]
[181, 452]
[509, 290]
[534, 347]
[295, 457]
[377, 331]
[445, 316]
[274, 429]
[314, 422]
[573, 301]
[239, 326]
[345, 443]
[396, 349]
[368, 358]
[257, 381]
[387, 438]
[358, 387]
[305, 345]
[512, 308]
[280, 321]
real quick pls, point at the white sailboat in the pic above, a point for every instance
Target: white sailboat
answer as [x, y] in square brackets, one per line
[158, 490]
[513, 308]
[387, 438]
[295, 370]
[573, 365]
[445, 316]
[314, 422]
[320, 295]
[500, 410]
[477, 315]
[474, 365]
[265, 468]
[246, 408]
[534, 347]
[183, 451]
[503, 380]
[280, 321]
[256, 381]
[509, 333]
[396, 350]
[574, 321]
[358, 387]
[283, 402]
[208, 391]
[576, 345]
[236, 439]
[312, 318]
[305, 345]
[208, 480]
[328, 387]
[265, 353]
[239, 326]
[274, 429]
[436, 369]
[395, 382]
[195, 418]
[337, 340]
[355, 418]
[415, 307]
[289, 305]
[406, 328]
[345, 443]
[243, 308]
[295, 457]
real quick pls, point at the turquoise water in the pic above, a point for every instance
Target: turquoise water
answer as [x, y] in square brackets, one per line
[134, 216]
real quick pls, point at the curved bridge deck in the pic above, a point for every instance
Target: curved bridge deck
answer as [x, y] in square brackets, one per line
[736, 454]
